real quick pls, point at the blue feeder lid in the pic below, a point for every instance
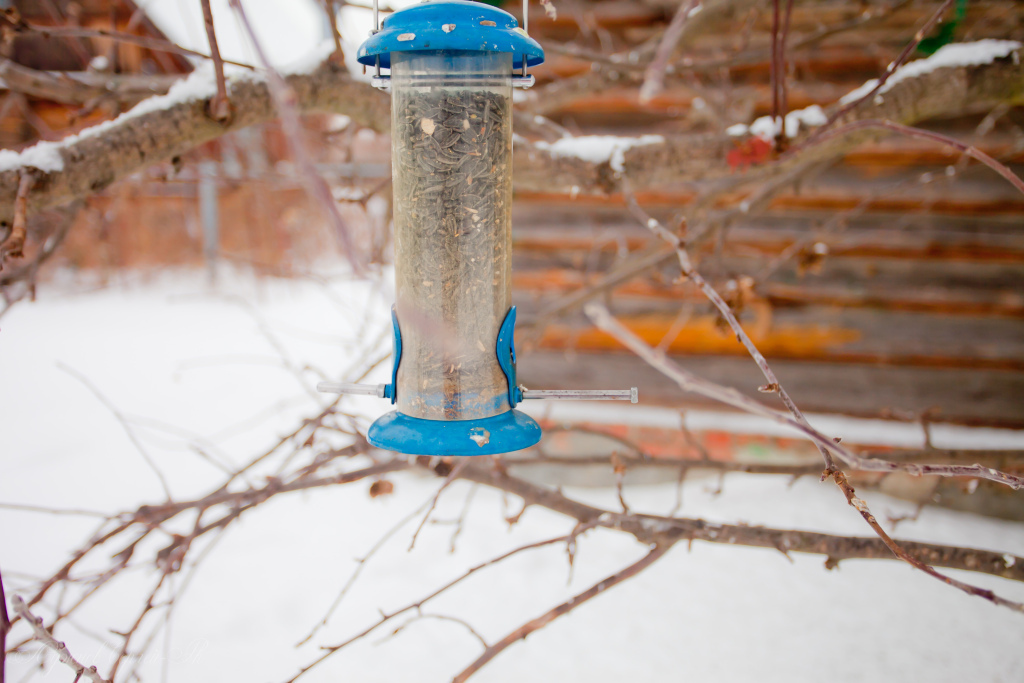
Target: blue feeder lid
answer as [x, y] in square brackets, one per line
[451, 25]
[502, 433]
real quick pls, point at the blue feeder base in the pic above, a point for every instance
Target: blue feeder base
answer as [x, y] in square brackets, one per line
[509, 431]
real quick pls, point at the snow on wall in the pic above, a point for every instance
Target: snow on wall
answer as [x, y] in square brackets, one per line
[598, 148]
[953, 55]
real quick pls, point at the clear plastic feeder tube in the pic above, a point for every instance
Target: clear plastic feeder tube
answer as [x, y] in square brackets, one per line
[452, 168]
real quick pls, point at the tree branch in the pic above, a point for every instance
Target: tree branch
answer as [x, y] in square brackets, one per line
[652, 529]
[689, 382]
[572, 603]
[14, 245]
[220, 105]
[909, 131]
[654, 74]
[47, 639]
[167, 127]
[98, 157]
[5, 626]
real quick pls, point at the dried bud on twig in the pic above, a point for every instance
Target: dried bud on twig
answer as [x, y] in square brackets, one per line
[381, 487]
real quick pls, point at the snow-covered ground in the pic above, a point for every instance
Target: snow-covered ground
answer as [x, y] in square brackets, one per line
[187, 368]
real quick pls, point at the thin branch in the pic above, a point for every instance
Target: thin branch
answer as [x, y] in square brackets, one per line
[783, 95]
[910, 131]
[540, 622]
[780, 105]
[127, 635]
[330, 650]
[5, 626]
[442, 617]
[47, 639]
[123, 422]
[433, 503]
[54, 511]
[687, 269]
[220, 105]
[14, 245]
[332, 17]
[825, 445]
[773, 71]
[360, 564]
[896, 64]
[654, 74]
[120, 37]
[285, 102]
[689, 382]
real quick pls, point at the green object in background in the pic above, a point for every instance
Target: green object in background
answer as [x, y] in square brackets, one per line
[944, 36]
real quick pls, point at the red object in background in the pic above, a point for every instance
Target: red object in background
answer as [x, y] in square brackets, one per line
[751, 151]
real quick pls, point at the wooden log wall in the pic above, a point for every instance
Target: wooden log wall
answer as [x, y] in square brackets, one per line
[891, 284]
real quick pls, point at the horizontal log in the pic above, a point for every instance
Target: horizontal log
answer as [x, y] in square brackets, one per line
[961, 395]
[811, 332]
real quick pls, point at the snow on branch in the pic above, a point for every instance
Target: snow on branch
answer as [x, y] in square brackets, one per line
[598, 149]
[165, 126]
[767, 127]
[955, 55]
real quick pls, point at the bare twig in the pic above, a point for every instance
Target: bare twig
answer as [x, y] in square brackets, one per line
[127, 635]
[5, 626]
[778, 70]
[654, 74]
[910, 131]
[452, 475]
[689, 382]
[220, 106]
[825, 445]
[119, 37]
[14, 246]
[47, 639]
[54, 511]
[124, 424]
[332, 17]
[773, 70]
[896, 64]
[543, 620]
[330, 650]
[360, 564]
[441, 617]
[726, 312]
[285, 101]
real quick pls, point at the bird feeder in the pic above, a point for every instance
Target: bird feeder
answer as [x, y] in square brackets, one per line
[452, 66]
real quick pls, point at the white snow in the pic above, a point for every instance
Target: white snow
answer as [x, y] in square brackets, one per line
[598, 148]
[44, 156]
[767, 128]
[189, 368]
[952, 55]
